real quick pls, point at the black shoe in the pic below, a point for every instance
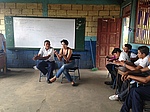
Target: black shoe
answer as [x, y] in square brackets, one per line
[75, 84]
[108, 82]
[49, 82]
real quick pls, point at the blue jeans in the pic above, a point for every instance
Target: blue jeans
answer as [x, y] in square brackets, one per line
[64, 69]
[135, 99]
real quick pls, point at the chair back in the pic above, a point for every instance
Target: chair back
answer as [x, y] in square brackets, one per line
[77, 58]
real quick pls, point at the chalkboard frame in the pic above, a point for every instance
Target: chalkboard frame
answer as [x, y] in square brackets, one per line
[79, 32]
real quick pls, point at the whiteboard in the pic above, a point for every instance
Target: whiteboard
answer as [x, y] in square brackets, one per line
[32, 32]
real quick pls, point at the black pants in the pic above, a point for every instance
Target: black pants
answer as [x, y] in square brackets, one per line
[47, 67]
[112, 70]
[135, 99]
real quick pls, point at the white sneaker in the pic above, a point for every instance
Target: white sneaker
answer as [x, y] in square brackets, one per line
[35, 67]
[114, 97]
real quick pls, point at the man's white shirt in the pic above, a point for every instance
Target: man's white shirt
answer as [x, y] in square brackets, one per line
[43, 52]
[124, 57]
[142, 62]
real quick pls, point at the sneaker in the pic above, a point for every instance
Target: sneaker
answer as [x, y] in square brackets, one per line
[35, 67]
[114, 97]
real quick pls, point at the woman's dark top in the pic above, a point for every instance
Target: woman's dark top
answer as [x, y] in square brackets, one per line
[71, 58]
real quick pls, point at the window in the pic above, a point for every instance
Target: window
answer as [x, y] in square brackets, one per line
[142, 34]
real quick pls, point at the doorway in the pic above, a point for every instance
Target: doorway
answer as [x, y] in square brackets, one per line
[108, 37]
[125, 30]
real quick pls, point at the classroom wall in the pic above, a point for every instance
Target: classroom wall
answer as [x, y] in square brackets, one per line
[23, 58]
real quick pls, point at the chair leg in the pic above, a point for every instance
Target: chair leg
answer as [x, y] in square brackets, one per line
[40, 77]
[79, 74]
[74, 77]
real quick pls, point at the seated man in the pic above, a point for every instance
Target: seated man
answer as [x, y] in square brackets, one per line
[127, 48]
[142, 62]
[47, 65]
[120, 56]
[138, 94]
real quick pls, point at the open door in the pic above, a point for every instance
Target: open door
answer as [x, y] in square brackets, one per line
[108, 37]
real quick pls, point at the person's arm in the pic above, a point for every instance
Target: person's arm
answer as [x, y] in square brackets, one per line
[132, 67]
[59, 56]
[4, 43]
[138, 71]
[38, 57]
[134, 72]
[139, 79]
[129, 66]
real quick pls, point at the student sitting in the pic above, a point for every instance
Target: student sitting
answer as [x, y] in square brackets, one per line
[139, 64]
[127, 48]
[65, 54]
[137, 96]
[120, 56]
[47, 65]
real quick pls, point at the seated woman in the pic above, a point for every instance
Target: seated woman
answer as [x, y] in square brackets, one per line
[65, 54]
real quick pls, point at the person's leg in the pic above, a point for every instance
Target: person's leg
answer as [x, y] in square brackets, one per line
[123, 94]
[112, 71]
[128, 102]
[61, 70]
[63, 67]
[119, 83]
[50, 68]
[42, 67]
[67, 75]
[140, 94]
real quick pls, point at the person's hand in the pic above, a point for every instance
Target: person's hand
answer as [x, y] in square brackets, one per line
[116, 62]
[128, 77]
[55, 52]
[4, 51]
[119, 63]
[35, 57]
[124, 76]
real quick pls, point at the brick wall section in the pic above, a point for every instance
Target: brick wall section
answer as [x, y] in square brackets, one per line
[90, 12]
[18, 9]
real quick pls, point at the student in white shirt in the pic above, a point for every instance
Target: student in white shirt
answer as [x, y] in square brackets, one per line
[143, 55]
[47, 65]
[142, 62]
[127, 48]
[120, 56]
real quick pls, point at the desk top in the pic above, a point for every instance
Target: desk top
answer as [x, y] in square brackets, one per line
[122, 70]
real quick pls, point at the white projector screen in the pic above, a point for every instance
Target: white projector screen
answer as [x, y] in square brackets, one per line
[31, 32]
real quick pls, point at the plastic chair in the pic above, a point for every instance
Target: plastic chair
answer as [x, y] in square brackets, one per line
[73, 70]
